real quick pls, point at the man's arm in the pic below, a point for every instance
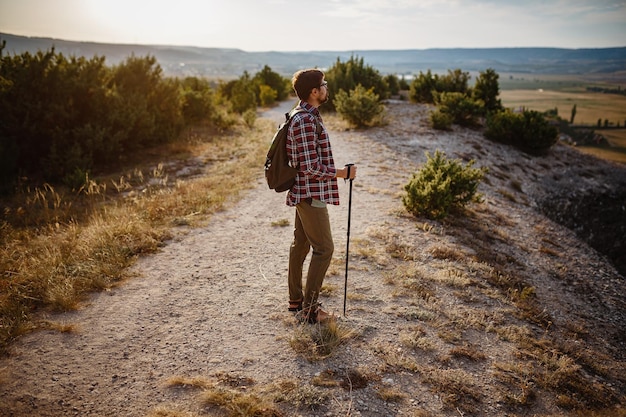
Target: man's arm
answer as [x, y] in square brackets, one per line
[304, 129]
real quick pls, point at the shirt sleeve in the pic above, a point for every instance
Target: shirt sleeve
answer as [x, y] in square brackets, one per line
[308, 149]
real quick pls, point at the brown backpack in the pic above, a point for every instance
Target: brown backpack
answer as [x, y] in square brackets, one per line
[279, 173]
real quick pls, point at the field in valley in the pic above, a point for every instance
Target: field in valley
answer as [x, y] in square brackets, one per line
[563, 92]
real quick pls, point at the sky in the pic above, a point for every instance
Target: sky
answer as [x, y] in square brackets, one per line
[324, 25]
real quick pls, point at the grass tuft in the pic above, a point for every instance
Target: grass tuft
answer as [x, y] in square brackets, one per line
[320, 340]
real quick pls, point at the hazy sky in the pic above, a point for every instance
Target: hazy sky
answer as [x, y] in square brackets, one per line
[337, 25]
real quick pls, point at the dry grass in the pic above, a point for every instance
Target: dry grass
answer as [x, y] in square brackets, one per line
[238, 403]
[458, 302]
[163, 411]
[58, 245]
[417, 338]
[318, 341]
[391, 395]
[455, 387]
[281, 223]
[59, 327]
[185, 382]
[233, 395]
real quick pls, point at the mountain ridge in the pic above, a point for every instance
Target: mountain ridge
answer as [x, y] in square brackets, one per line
[232, 62]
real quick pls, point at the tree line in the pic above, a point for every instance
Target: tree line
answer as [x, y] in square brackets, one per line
[64, 117]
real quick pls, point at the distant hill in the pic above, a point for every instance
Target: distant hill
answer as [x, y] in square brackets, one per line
[225, 63]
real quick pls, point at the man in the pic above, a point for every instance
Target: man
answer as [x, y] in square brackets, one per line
[309, 149]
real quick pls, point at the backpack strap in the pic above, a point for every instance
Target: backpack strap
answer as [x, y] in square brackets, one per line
[298, 109]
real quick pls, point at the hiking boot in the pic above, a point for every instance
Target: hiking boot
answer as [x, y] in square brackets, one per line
[295, 306]
[314, 315]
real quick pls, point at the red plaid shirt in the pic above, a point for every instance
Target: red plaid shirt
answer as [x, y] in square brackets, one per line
[314, 158]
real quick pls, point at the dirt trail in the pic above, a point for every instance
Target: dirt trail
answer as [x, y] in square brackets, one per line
[211, 300]
[214, 299]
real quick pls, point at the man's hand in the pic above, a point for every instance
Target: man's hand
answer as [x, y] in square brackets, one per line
[343, 172]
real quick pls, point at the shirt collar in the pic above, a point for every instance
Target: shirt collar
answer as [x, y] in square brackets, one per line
[309, 108]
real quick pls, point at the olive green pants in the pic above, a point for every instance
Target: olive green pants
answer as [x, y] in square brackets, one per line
[311, 230]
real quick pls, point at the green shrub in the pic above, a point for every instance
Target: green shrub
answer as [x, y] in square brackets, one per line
[267, 77]
[359, 107]
[487, 90]
[267, 95]
[539, 135]
[393, 84]
[528, 131]
[348, 75]
[442, 185]
[197, 101]
[456, 81]
[240, 93]
[426, 86]
[463, 109]
[63, 115]
[422, 87]
[440, 120]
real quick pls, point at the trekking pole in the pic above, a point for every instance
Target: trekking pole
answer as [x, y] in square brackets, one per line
[345, 286]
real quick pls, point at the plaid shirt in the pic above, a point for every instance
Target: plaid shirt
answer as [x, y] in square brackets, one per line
[314, 158]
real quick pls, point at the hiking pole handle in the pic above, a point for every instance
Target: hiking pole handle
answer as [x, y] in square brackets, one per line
[348, 172]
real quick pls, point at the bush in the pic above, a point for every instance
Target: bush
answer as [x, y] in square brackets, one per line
[359, 107]
[198, 102]
[268, 78]
[63, 117]
[422, 88]
[267, 95]
[487, 90]
[393, 84]
[346, 76]
[63, 114]
[528, 131]
[462, 109]
[240, 93]
[425, 87]
[440, 120]
[538, 135]
[454, 82]
[442, 185]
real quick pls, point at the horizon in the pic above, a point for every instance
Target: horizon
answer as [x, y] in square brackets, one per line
[330, 26]
[317, 50]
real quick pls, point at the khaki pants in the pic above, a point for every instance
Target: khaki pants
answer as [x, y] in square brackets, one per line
[312, 229]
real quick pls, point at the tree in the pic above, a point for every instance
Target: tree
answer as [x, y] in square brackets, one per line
[571, 119]
[487, 90]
